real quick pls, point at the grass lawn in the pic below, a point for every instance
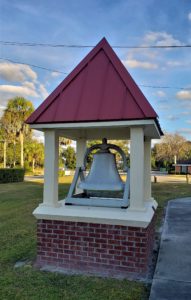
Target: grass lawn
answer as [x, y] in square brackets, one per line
[18, 242]
[163, 192]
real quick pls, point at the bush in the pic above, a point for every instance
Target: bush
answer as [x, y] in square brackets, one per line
[11, 175]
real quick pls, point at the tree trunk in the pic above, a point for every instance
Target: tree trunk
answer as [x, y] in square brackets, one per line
[4, 154]
[22, 156]
[33, 164]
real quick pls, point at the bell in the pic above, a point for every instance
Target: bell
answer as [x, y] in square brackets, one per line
[103, 175]
[103, 185]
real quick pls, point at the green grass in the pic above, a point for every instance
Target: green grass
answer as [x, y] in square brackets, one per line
[18, 242]
[163, 192]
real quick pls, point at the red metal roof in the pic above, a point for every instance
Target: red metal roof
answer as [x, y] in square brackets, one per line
[98, 89]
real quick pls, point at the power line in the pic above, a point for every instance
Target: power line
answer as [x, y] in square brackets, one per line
[23, 44]
[61, 72]
[33, 44]
[31, 65]
[165, 87]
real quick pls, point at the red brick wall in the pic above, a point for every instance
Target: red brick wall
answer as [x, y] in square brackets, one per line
[177, 169]
[109, 250]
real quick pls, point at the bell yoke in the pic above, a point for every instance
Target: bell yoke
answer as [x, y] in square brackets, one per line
[103, 178]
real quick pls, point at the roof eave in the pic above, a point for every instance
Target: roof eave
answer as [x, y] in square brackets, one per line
[77, 126]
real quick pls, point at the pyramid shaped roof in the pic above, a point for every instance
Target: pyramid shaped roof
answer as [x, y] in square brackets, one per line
[98, 89]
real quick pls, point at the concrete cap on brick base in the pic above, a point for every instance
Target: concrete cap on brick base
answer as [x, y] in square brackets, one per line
[101, 215]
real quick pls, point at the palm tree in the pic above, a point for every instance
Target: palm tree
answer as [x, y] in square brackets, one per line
[34, 152]
[13, 121]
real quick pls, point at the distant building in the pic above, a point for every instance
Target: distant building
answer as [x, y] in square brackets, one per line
[183, 167]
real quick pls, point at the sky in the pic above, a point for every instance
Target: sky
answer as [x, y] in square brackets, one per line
[164, 75]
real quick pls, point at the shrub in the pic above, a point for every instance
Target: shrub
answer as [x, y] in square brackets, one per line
[11, 175]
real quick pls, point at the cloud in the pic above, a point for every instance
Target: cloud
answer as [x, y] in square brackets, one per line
[184, 131]
[184, 95]
[185, 113]
[38, 135]
[174, 63]
[163, 106]
[172, 118]
[18, 90]
[27, 89]
[16, 72]
[55, 74]
[154, 142]
[160, 39]
[43, 91]
[189, 16]
[2, 108]
[29, 84]
[147, 59]
[160, 94]
[26, 8]
[134, 63]
[21, 81]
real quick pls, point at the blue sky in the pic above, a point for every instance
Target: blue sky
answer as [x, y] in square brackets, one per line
[122, 22]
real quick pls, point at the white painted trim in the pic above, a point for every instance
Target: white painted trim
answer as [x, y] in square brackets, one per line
[137, 168]
[100, 215]
[94, 130]
[50, 194]
[147, 170]
[94, 124]
[80, 152]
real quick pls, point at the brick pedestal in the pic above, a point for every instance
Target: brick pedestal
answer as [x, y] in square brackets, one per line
[100, 249]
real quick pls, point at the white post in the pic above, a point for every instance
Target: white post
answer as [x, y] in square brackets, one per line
[50, 196]
[137, 169]
[147, 170]
[80, 151]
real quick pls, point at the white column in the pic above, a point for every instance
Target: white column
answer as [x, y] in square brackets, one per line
[137, 169]
[80, 151]
[147, 170]
[50, 196]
